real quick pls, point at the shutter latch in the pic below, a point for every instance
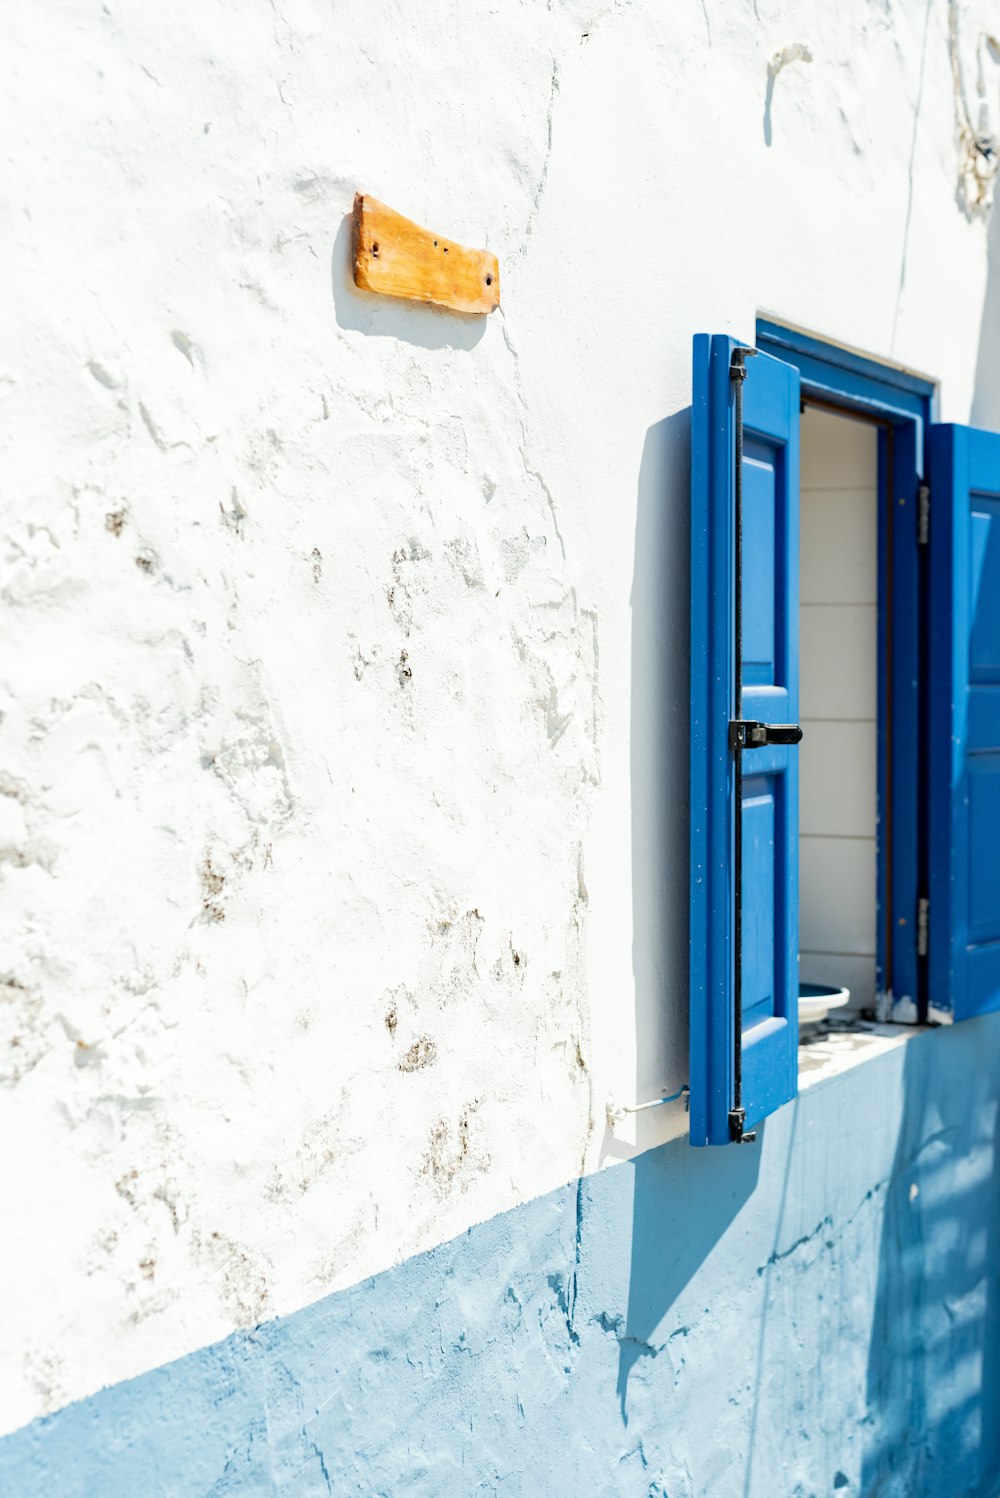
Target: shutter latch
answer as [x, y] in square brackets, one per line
[747, 733]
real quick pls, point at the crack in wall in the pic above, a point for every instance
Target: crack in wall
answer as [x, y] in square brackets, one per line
[825, 1225]
[910, 177]
[530, 470]
[539, 192]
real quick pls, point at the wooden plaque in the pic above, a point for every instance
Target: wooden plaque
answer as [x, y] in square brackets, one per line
[396, 257]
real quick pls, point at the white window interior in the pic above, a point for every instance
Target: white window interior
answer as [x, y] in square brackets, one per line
[838, 684]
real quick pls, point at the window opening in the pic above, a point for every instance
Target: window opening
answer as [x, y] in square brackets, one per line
[842, 717]
[898, 405]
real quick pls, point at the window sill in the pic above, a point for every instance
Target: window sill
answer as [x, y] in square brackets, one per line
[839, 1047]
[827, 1052]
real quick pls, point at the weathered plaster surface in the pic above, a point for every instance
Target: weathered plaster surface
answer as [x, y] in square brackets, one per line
[796, 1319]
[344, 681]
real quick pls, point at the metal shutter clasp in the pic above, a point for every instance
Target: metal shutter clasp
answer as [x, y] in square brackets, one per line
[747, 733]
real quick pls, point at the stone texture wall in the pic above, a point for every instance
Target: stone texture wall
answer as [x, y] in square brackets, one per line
[344, 680]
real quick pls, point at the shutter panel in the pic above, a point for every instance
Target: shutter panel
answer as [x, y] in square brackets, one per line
[769, 809]
[964, 726]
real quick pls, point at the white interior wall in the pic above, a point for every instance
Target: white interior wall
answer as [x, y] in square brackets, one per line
[838, 686]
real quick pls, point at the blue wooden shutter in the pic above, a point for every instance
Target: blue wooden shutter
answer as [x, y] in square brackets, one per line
[964, 726]
[770, 693]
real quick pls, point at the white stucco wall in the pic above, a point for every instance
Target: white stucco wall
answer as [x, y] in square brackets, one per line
[344, 681]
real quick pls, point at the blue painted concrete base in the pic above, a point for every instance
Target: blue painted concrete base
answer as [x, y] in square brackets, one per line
[819, 1314]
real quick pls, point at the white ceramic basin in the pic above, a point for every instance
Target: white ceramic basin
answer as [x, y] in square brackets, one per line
[817, 999]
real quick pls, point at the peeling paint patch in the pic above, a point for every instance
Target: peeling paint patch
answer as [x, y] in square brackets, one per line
[423, 1052]
[212, 883]
[451, 1154]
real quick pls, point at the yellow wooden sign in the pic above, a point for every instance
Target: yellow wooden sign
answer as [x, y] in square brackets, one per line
[396, 257]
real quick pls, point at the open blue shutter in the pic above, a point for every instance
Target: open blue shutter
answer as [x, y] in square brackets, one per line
[964, 728]
[770, 774]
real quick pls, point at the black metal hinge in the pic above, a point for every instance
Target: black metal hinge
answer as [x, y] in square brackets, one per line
[923, 515]
[737, 1133]
[923, 925]
[747, 733]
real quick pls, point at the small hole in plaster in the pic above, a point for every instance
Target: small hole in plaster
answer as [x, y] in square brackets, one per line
[446, 249]
[375, 247]
[489, 280]
[435, 244]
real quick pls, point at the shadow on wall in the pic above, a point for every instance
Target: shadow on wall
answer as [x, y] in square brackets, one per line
[986, 396]
[934, 1352]
[707, 1188]
[721, 1181]
[387, 317]
[659, 753]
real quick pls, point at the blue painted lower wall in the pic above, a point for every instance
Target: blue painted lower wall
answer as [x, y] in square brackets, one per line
[816, 1314]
